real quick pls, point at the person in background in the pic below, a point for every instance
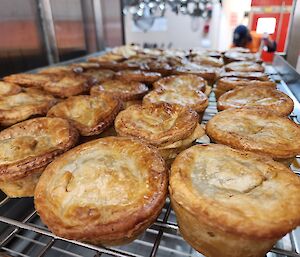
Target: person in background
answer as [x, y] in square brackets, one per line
[242, 37]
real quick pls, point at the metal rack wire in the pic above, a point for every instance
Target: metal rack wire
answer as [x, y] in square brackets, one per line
[23, 234]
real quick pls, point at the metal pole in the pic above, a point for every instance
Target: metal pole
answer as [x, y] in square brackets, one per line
[47, 29]
[97, 7]
[122, 22]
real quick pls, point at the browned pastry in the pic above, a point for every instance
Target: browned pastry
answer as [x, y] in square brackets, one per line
[189, 81]
[256, 130]
[171, 128]
[245, 66]
[7, 88]
[233, 203]
[21, 106]
[27, 148]
[68, 85]
[207, 61]
[56, 70]
[210, 53]
[233, 56]
[99, 75]
[134, 63]
[112, 187]
[257, 97]
[247, 75]
[138, 75]
[194, 99]
[208, 73]
[108, 57]
[116, 54]
[89, 114]
[85, 65]
[229, 83]
[124, 90]
[27, 79]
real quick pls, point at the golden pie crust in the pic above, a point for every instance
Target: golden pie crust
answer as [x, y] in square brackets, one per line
[85, 65]
[246, 75]
[99, 75]
[56, 70]
[138, 75]
[257, 131]
[194, 99]
[121, 89]
[257, 97]
[229, 83]
[8, 88]
[207, 61]
[210, 74]
[89, 114]
[233, 203]
[107, 58]
[189, 81]
[234, 56]
[244, 66]
[21, 106]
[112, 187]
[27, 79]
[68, 85]
[26, 149]
[157, 124]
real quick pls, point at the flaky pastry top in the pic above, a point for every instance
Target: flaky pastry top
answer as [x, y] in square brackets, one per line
[138, 75]
[256, 130]
[244, 66]
[188, 81]
[236, 191]
[68, 85]
[56, 70]
[257, 97]
[123, 89]
[18, 107]
[27, 79]
[241, 56]
[157, 124]
[7, 88]
[194, 99]
[32, 144]
[228, 83]
[106, 186]
[24, 99]
[100, 75]
[255, 75]
[207, 60]
[87, 113]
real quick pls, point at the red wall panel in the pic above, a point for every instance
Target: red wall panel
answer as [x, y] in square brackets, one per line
[270, 2]
[284, 27]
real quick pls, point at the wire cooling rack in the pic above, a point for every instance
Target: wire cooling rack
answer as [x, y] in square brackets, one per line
[23, 234]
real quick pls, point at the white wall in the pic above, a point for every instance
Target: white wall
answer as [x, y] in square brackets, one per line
[179, 30]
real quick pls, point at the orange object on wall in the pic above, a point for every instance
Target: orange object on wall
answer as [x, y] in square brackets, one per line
[278, 9]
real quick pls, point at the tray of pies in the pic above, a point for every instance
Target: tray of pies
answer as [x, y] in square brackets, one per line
[149, 152]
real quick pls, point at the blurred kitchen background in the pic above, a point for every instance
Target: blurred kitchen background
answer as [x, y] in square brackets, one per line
[35, 33]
